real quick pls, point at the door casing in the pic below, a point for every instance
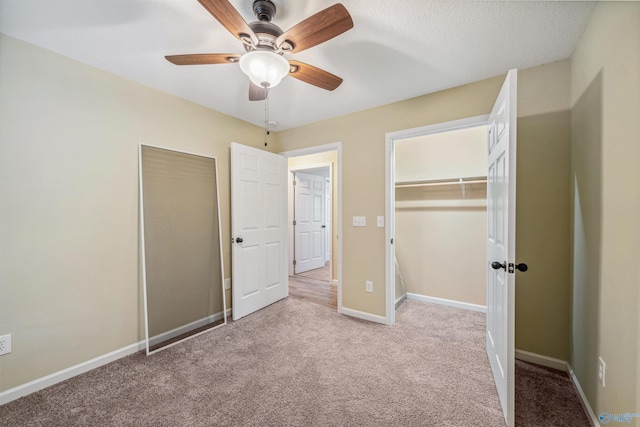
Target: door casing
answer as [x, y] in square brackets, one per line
[391, 138]
[291, 198]
[335, 146]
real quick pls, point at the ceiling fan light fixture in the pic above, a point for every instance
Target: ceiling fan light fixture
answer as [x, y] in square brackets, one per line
[264, 68]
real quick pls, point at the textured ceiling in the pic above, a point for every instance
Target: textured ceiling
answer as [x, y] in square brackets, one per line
[396, 50]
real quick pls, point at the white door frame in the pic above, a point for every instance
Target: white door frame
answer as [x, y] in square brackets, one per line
[335, 146]
[291, 190]
[390, 182]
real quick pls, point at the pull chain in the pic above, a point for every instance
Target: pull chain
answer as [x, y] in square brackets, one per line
[266, 115]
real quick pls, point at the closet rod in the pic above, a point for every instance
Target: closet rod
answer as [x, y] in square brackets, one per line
[433, 182]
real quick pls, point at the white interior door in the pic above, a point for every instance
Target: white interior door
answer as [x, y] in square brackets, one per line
[501, 238]
[259, 229]
[309, 222]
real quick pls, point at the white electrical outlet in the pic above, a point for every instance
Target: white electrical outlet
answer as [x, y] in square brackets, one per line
[380, 221]
[227, 284]
[602, 370]
[368, 286]
[5, 344]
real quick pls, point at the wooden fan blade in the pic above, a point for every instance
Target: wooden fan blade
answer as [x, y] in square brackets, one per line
[229, 17]
[257, 93]
[314, 75]
[317, 28]
[203, 58]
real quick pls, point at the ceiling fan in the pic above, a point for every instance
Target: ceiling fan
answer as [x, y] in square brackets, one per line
[266, 44]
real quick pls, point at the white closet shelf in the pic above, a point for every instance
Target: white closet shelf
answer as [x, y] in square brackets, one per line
[438, 182]
[453, 204]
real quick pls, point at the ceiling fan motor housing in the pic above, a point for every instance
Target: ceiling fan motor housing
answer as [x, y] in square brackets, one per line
[264, 10]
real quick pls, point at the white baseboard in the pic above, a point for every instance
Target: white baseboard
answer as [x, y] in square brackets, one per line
[561, 365]
[583, 398]
[400, 300]
[450, 303]
[165, 336]
[51, 379]
[539, 359]
[362, 315]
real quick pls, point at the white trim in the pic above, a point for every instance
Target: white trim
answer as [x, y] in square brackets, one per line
[400, 300]
[312, 150]
[448, 302]
[390, 230]
[583, 398]
[439, 127]
[335, 146]
[390, 139]
[313, 166]
[51, 379]
[538, 359]
[142, 249]
[291, 201]
[362, 315]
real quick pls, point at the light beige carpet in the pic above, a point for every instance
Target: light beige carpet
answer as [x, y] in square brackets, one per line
[290, 364]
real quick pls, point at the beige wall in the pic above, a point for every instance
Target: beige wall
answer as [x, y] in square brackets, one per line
[69, 135]
[605, 133]
[363, 164]
[544, 100]
[543, 193]
[440, 235]
[316, 159]
[459, 153]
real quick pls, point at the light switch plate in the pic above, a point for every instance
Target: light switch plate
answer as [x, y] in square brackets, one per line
[380, 221]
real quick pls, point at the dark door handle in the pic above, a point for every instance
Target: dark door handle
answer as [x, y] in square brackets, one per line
[497, 266]
[522, 267]
[324, 226]
[239, 240]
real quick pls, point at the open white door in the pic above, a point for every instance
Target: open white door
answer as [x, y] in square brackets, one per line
[309, 222]
[501, 238]
[259, 229]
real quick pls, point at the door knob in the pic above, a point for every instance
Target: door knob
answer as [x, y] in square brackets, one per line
[522, 267]
[239, 240]
[497, 266]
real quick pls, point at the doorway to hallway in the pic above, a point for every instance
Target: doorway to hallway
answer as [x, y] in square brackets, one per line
[315, 286]
[314, 205]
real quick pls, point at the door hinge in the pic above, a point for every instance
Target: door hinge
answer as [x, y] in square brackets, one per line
[392, 241]
[294, 262]
[512, 267]
[294, 222]
[294, 182]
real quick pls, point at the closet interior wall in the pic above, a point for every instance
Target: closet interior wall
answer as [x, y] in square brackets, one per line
[440, 209]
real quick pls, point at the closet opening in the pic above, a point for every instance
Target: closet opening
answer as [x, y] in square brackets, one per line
[437, 215]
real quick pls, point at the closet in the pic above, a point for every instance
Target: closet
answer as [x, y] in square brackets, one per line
[440, 217]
